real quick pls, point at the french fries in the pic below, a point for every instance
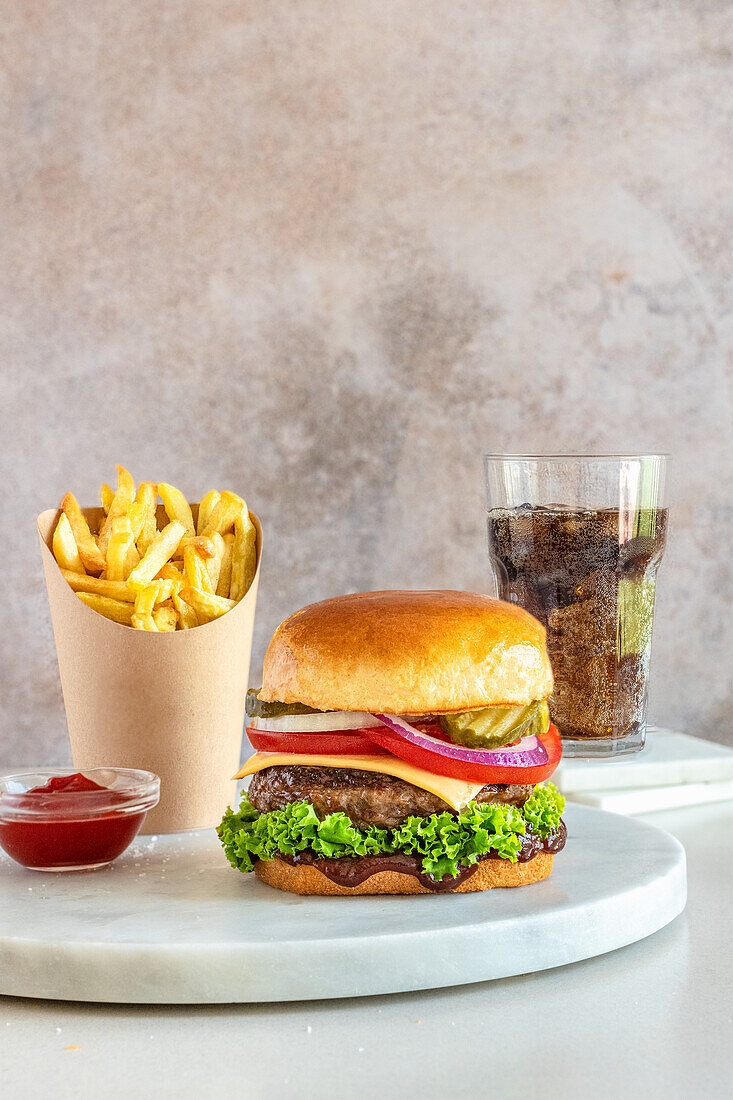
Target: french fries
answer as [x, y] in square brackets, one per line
[176, 506]
[186, 615]
[223, 514]
[119, 506]
[206, 605]
[213, 565]
[119, 547]
[204, 546]
[144, 622]
[145, 601]
[156, 555]
[225, 569]
[205, 507]
[112, 609]
[116, 590]
[147, 526]
[143, 617]
[65, 549]
[106, 496]
[182, 576]
[165, 618]
[195, 571]
[89, 552]
[171, 572]
[244, 555]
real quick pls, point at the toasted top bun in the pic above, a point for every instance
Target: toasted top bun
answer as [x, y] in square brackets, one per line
[407, 653]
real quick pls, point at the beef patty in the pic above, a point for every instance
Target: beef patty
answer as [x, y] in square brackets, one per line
[368, 798]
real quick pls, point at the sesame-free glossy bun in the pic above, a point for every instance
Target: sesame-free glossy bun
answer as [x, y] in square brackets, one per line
[489, 873]
[408, 653]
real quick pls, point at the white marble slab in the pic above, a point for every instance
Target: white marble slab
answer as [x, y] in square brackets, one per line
[668, 758]
[640, 801]
[171, 922]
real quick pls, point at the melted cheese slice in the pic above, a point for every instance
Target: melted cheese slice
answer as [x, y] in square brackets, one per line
[456, 792]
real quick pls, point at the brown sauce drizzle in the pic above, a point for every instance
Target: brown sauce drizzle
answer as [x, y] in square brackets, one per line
[347, 871]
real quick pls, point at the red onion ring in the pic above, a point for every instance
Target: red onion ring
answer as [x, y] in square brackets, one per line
[527, 753]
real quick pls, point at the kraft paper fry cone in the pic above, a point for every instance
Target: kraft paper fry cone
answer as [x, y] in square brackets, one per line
[171, 703]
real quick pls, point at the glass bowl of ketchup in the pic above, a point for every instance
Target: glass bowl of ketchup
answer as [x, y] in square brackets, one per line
[55, 822]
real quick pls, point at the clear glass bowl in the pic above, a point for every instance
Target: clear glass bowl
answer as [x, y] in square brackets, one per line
[73, 830]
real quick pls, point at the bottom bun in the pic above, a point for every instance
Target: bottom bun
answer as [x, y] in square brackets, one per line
[307, 879]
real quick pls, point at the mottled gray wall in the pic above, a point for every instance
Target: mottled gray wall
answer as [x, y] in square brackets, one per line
[326, 253]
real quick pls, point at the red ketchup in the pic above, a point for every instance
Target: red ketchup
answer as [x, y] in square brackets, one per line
[69, 823]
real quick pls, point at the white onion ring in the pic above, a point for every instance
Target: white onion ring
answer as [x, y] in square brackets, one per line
[329, 721]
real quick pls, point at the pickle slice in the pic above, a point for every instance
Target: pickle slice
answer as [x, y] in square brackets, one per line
[492, 727]
[257, 708]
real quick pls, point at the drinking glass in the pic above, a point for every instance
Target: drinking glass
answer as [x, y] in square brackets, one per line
[577, 541]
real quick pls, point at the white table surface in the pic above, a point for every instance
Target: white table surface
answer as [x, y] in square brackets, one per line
[652, 1019]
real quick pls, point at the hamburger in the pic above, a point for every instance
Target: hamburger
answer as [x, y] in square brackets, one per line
[403, 745]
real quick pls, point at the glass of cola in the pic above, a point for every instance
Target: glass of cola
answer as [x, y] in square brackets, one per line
[577, 540]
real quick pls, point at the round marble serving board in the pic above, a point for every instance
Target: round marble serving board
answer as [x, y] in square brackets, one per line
[172, 923]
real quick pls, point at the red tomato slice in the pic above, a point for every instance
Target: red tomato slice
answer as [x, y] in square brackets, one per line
[338, 743]
[472, 771]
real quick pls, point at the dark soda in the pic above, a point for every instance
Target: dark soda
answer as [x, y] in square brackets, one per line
[588, 575]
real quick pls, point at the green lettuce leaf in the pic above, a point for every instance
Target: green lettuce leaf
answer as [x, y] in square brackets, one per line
[544, 808]
[442, 843]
